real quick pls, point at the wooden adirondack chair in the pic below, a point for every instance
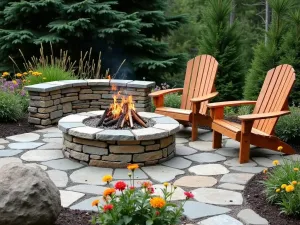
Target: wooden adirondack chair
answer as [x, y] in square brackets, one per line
[198, 89]
[257, 128]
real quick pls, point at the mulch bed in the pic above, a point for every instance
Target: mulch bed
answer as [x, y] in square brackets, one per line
[256, 199]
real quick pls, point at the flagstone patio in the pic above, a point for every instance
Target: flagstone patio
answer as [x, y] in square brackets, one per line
[214, 176]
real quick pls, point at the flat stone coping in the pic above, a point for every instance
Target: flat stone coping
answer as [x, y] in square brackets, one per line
[73, 125]
[57, 85]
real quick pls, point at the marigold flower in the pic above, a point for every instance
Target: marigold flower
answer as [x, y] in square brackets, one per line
[265, 171]
[283, 186]
[25, 73]
[109, 192]
[146, 184]
[4, 74]
[19, 75]
[132, 167]
[95, 202]
[120, 185]
[30, 71]
[289, 188]
[294, 182]
[15, 82]
[188, 195]
[157, 202]
[280, 148]
[108, 207]
[275, 162]
[166, 184]
[277, 190]
[107, 178]
[296, 169]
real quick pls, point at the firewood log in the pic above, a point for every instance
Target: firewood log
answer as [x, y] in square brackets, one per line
[122, 116]
[102, 118]
[111, 122]
[130, 118]
[138, 120]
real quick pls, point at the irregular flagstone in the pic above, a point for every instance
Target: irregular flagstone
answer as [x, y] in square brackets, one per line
[53, 135]
[48, 130]
[25, 145]
[3, 141]
[247, 169]
[262, 161]
[26, 137]
[177, 195]
[88, 189]
[208, 136]
[202, 146]
[123, 174]
[218, 196]
[178, 163]
[87, 204]
[90, 175]
[37, 165]
[249, 217]
[196, 181]
[2, 147]
[229, 152]
[162, 173]
[84, 132]
[294, 157]
[236, 178]
[194, 210]
[59, 178]
[184, 150]
[53, 140]
[235, 162]
[181, 140]
[51, 146]
[63, 164]
[6, 153]
[257, 152]
[206, 157]
[277, 157]
[209, 169]
[4, 161]
[69, 197]
[220, 220]
[234, 187]
[42, 155]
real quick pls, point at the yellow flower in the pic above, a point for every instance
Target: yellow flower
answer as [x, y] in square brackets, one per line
[166, 184]
[30, 71]
[109, 192]
[38, 73]
[4, 74]
[157, 202]
[277, 190]
[28, 81]
[107, 178]
[280, 148]
[15, 82]
[296, 169]
[95, 202]
[133, 167]
[294, 182]
[19, 75]
[275, 162]
[289, 188]
[44, 78]
[25, 73]
[265, 170]
[283, 186]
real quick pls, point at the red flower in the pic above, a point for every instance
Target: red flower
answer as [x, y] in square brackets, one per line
[157, 213]
[151, 190]
[108, 207]
[189, 195]
[146, 184]
[120, 185]
[131, 188]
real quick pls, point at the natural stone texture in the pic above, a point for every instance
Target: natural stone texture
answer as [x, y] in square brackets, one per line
[165, 142]
[5, 161]
[153, 147]
[3, 141]
[220, 220]
[155, 172]
[277, 157]
[34, 120]
[144, 157]
[235, 162]
[249, 217]
[178, 194]
[32, 109]
[64, 127]
[149, 115]
[89, 96]
[218, 196]
[95, 150]
[27, 137]
[25, 145]
[73, 146]
[48, 130]
[234, 187]
[68, 99]
[140, 84]
[171, 128]
[119, 158]
[122, 174]
[51, 146]
[60, 178]
[80, 156]
[229, 152]
[69, 197]
[247, 169]
[113, 135]
[202, 146]
[263, 152]
[126, 149]
[73, 119]
[63, 164]
[88, 189]
[149, 133]
[236, 178]
[196, 181]
[86, 204]
[41, 155]
[230, 143]
[181, 140]
[206, 157]
[39, 115]
[90, 175]
[184, 150]
[84, 132]
[56, 114]
[6, 153]
[165, 120]
[53, 140]
[2, 147]
[195, 210]
[90, 142]
[27, 196]
[47, 110]
[43, 104]
[209, 169]
[67, 107]
[107, 164]
[295, 157]
[37, 165]
[178, 163]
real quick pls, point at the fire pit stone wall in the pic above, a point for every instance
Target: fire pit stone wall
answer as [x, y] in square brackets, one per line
[51, 101]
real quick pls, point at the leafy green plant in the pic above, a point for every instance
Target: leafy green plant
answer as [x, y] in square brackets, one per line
[238, 111]
[282, 186]
[11, 108]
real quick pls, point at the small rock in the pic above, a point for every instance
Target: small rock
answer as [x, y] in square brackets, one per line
[249, 217]
[236, 178]
[234, 187]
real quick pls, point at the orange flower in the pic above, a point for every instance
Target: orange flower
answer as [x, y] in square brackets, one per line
[109, 192]
[132, 167]
[157, 202]
[146, 184]
[265, 171]
[95, 202]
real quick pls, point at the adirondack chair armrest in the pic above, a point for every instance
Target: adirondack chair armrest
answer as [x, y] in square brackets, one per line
[263, 115]
[229, 103]
[164, 92]
[204, 98]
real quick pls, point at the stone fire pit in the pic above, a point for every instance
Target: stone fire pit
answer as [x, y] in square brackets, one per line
[117, 148]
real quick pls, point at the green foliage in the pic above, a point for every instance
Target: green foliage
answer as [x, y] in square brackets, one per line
[11, 107]
[288, 127]
[282, 187]
[238, 111]
[223, 41]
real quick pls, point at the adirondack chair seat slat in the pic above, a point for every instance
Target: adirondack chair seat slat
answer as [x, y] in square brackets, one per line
[177, 114]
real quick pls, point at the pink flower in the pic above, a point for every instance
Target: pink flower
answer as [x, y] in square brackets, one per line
[108, 207]
[189, 195]
[120, 185]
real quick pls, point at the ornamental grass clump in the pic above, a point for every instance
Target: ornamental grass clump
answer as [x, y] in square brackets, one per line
[124, 203]
[282, 186]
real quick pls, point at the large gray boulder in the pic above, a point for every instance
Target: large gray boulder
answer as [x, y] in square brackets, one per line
[27, 196]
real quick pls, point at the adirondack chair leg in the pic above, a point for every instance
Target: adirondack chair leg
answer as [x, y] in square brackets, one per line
[245, 141]
[217, 139]
[194, 130]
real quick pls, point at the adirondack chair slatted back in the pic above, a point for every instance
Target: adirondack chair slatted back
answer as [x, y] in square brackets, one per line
[274, 95]
[199, 80]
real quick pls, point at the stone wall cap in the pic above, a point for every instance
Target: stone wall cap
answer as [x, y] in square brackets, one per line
[141, 84]
[98, 82]
[120, 83]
